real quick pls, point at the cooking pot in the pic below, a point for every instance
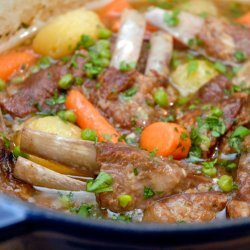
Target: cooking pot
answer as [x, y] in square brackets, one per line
[25, 226]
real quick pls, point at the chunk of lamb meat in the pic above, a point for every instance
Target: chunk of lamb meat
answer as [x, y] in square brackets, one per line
[38, 87]
[135, 173]
[221, 39]
[126, 97]
[240, 206]
[186, 207]
[8, 184]
[213, 95]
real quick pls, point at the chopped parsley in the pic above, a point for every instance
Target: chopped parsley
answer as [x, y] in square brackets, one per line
[85, 210]
[102, 183]
[124, 67]
[192, 67]
[148, 193]
[136, 172]
[240, 56]
[56, 99]
[172, 19]
[237, 137]
[128, 94]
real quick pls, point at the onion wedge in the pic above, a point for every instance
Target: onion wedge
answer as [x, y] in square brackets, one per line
[38, 175]
[74, 153]
[129, 40]
[188, 27]
[161, 48]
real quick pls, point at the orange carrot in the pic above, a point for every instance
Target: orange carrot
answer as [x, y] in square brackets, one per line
[12, 61]
[89, 117]
[245, 19]
[113, 10]
[166, 139]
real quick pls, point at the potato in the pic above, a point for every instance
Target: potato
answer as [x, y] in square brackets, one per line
[199, 7]
[60, 36]
[189, 77]
[54, 125]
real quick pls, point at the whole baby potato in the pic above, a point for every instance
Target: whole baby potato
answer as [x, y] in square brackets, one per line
[54, 125]
[60, 37]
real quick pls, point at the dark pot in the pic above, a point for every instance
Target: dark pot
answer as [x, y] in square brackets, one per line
[23, 226]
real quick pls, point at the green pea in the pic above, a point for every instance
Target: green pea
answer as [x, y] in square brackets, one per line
[66, 81]
[211, 172]
[89, 135]
[102, 44]
[217, 111]
[61, 114]
[240, 56]
[105, 54]
[226, 183]
[2, 85]
[70, 116]
[104, 33]
[161, 98]
[124, 200]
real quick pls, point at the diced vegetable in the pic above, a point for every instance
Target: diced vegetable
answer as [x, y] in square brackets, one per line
[66, 81]
[226, 183]
[166, 139]
[89, 135]
[124, 200]
[89, 117]
[191, 76]
[113, 10]
[55, 125]
[161, 98]
[199, 7]
[245, 19]
[61, 35]
[13, 61]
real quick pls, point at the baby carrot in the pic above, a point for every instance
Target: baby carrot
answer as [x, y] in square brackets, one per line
[12, 61]
[166, 139]
[89, 117]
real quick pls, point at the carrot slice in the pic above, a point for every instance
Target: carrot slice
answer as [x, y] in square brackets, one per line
[245, 19]
[114, 10]
[166, 139]
[12, 61]
[89, 117]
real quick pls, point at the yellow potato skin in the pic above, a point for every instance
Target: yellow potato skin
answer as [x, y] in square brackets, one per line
[55, 125]
[61, 35]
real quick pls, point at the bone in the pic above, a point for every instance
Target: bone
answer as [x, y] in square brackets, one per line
[161, 49]
[130, 38]
[38, 175]
[74, 153]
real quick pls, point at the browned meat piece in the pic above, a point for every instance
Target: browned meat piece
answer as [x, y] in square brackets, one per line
[127, 97]
[135, 173]
[222, 39]
[240, 206]
[189, 208]
[213, 95]
[37, 88]
[238, 209]
[8, 184]
[243, 174]
[214, 90]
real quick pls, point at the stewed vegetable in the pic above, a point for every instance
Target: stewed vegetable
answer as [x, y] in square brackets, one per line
[135, 111]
